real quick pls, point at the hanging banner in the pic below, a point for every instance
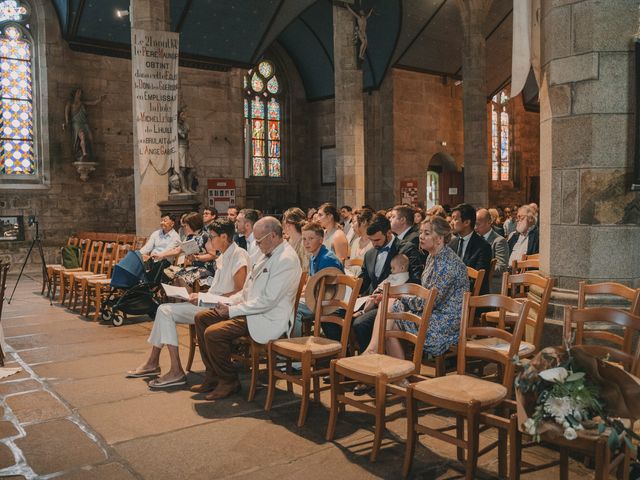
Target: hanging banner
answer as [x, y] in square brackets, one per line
[154, 71]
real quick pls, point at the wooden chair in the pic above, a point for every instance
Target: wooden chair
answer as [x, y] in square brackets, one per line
[256, 351]
[378, 369]
[312, 349]
[469, 397]
[139, 242]
[67, 277]
[77, 288]
[99, 285]
[54, 271]
[521, 266]
[589, 323]
[46, 281]
[518, 287]
[353, 262]
[632, 295]
[4, 270]
[533, 256]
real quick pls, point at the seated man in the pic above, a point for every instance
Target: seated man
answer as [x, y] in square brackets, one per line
[263, 309]
[499, 247]
[377, 267]
[232, 269]
[321, 257]
[474, 251]
[161, 240]
[525, 240]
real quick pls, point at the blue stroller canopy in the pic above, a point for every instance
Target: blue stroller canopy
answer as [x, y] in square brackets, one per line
[129, 271]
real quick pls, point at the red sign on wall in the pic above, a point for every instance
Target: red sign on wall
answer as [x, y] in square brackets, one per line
[221, 193]
[409, 192]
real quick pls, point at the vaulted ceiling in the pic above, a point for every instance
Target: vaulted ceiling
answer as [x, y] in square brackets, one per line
[421, 35]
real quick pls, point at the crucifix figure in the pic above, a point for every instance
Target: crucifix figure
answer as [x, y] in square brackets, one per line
[361, 30]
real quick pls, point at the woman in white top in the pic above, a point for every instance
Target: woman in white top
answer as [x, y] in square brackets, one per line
[292, 222]
[361, 243]
[232, 267]
[334, 238]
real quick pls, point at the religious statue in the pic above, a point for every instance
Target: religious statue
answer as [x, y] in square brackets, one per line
[75, 115]
[361, 30]
[178, 180]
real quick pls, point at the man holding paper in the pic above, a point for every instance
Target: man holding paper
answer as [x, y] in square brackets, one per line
[263, 309]
[232, 267]
[162, 240]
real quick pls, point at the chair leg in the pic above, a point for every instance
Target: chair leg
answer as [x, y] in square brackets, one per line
[271, 365]
[564, 464]
[97, 292]
[306, 387]
[75, 293]
[192, 346]
[316, 389]
[473, 441]
[255, 367]
[63, 293]
[460, 435]
[515, 448]
[412, 436]
[381, 394]
[333, 413]
[289, 383]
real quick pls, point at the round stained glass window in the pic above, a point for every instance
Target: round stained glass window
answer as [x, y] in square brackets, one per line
[265, 69]
[273, 86]
[256, 83]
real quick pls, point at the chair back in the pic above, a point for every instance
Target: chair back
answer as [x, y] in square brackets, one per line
[353, 262]
[121, 252]
[73, 240]
[4, 269]
[518, 286]
[533, 256]
[95, 256]
[492, 267]
[388, 295]
[476, 277]
[85, 245]
[352, 286]
[109, 253]
[510, 340]
[138, 242]
[301, 284]
[521, 266]
[632, 295]
[595, 324]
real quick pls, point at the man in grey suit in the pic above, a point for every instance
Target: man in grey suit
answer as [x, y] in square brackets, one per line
[499, 246]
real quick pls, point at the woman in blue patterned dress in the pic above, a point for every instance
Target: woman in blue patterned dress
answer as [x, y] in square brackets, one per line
[445, 271]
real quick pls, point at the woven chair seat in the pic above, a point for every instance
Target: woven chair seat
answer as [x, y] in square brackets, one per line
[524, 350]
[317, 345]
[377, 364]
[462, 389]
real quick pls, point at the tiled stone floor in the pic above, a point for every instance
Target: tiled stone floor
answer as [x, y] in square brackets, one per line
[71, 414]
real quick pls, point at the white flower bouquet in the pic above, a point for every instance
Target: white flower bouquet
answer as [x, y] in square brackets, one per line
[573, 393]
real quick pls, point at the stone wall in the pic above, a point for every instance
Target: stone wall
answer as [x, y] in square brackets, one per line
[427, 110]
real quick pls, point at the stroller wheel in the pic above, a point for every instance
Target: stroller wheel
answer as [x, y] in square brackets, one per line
[117, 320]
[106, 315]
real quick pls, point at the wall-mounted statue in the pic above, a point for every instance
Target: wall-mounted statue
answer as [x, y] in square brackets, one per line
[361, 19]
[75, 116]
[179, 179]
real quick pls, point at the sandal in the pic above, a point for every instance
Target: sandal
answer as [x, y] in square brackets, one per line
[143, 373]
[174, 382]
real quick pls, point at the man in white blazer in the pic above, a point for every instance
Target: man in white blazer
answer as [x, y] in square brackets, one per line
[263, 310]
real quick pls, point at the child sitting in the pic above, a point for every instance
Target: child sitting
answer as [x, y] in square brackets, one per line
[399, 275]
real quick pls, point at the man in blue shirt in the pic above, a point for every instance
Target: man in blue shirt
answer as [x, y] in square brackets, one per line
[161, 240]
[320, 257]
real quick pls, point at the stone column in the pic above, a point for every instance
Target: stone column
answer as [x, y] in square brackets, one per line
[349, 112]
[474, 100]
[150, 187]
[589, 218]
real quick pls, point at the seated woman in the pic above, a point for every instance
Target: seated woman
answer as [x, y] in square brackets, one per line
[292, 222]
[334, 238]
[202, 263]
[233, 265]
[360, 243]
[445, 271]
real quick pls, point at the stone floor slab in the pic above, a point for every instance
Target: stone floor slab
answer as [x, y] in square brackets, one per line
[7, 429]
[10, 387]
[36, 407]
[58, 446]
[7, 459]
[108, 471]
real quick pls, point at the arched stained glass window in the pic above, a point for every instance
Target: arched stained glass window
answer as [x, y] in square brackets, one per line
[500, 138]
[263, 121]
[17, 151]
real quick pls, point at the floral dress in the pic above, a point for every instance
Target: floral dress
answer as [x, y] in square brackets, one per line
[198, 269]
[446, 272]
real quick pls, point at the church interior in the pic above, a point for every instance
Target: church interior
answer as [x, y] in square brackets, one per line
[272, 105]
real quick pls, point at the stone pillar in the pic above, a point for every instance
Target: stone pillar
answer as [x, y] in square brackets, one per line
[589, 220]
[349, 112]
[150, 187]
[474, 100]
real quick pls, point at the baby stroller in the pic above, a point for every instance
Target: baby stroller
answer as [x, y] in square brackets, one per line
[134, 290]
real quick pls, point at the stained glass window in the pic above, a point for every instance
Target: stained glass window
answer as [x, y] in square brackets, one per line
[500, 137]
[263, 121]
[17, 155]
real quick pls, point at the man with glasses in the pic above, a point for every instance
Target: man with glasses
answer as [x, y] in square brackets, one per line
[526, 239]
[263, 309]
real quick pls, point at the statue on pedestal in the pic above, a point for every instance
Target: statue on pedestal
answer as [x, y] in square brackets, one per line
[179, 180]
[75, 116]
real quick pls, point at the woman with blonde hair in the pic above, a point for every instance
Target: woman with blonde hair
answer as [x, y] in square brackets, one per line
[292, 222]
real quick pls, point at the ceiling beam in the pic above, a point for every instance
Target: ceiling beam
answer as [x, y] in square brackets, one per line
[257, 51]
[315, 35]
[183, 16]
[73, 31]
[424, 27]
[395, 44]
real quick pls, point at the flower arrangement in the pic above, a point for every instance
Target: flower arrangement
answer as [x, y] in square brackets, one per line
[572, 392]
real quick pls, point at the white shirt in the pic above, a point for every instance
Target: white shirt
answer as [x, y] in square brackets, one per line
[381, 258]
[159, 242]
[465, 244]
[519, 249]
[402, 235]
[227, 265]
[253, 249]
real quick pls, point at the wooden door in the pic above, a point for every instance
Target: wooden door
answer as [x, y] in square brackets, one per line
[451, 182]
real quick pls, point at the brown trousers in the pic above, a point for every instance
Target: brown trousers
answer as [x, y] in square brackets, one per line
[215, 335]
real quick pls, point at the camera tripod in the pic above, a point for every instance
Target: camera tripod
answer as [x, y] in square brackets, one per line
[34, 242]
